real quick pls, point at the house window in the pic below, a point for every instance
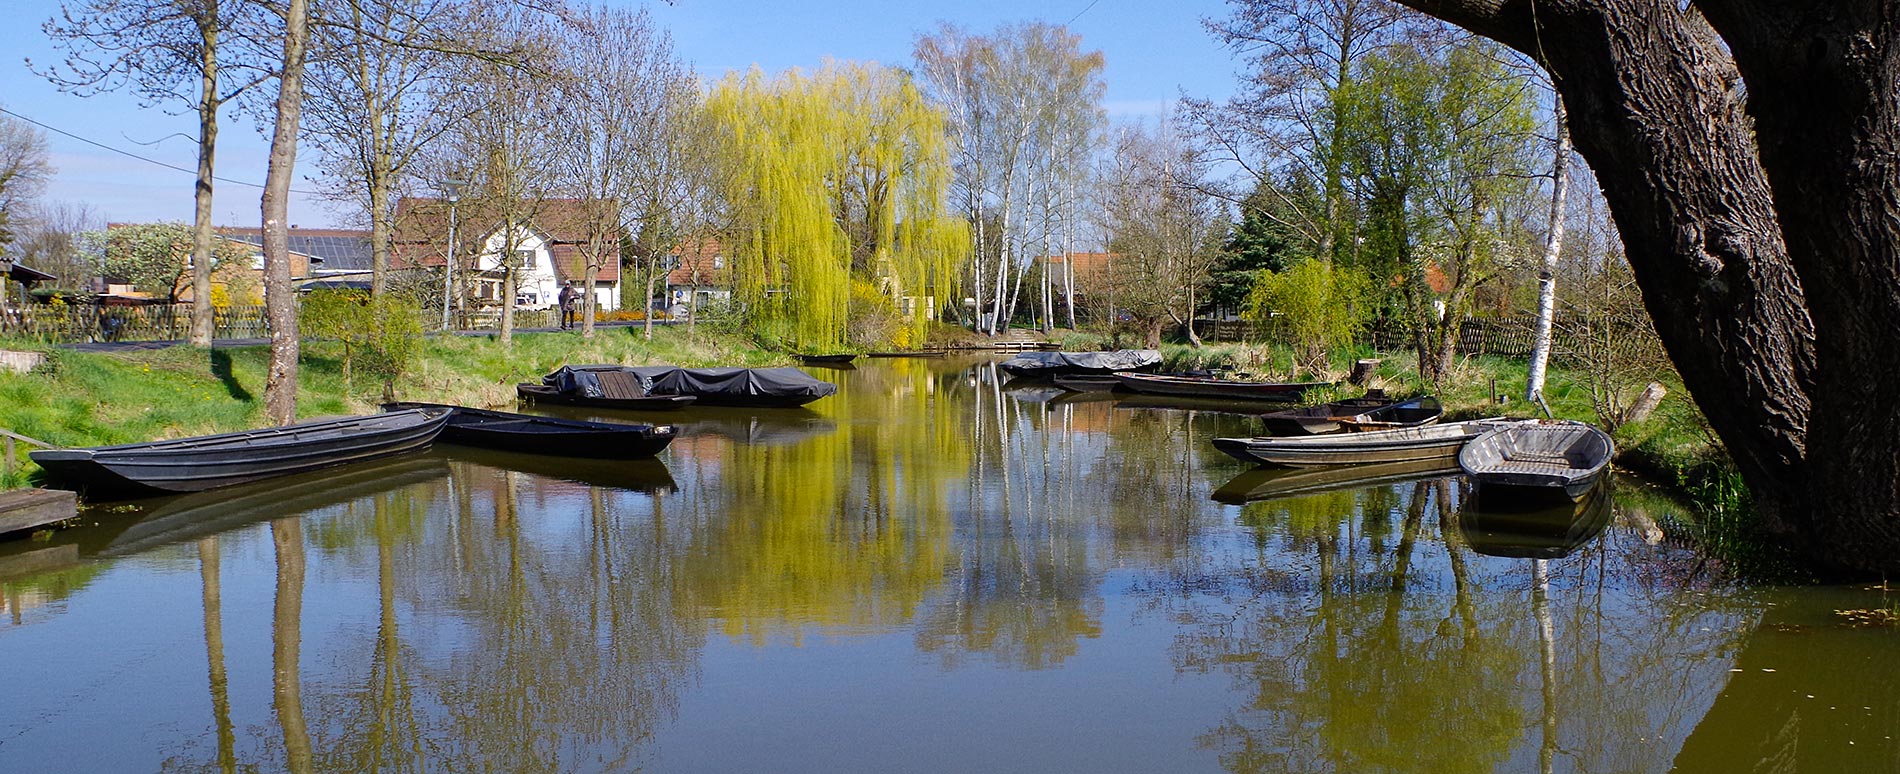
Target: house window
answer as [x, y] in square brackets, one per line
[257, 262]
[524, 258]
[719, 262]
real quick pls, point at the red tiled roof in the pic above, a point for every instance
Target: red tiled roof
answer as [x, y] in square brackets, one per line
[698, 255]
[422, 232]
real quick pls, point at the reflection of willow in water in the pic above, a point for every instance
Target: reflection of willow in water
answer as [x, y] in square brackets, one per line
[1370, 638]
[842, 530]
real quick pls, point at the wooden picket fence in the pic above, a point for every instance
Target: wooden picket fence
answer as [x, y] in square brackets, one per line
[72, 323]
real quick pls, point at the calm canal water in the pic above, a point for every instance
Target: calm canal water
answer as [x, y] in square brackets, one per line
[927, 572]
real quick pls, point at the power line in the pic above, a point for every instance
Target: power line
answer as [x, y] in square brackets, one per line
[148, 160]
[1085, 9]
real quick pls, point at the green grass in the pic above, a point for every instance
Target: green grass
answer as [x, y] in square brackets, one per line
[96, 399]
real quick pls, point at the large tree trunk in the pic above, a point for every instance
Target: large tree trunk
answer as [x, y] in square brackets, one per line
[280, 299]
[1726, 259]
[203, 317]
[381, 222]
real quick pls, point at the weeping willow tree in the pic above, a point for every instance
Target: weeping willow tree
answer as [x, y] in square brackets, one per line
[831, 176]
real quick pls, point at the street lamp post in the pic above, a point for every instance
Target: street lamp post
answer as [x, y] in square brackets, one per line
[452, 191]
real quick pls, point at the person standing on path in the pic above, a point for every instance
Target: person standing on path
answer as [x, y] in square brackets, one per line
[569, 299]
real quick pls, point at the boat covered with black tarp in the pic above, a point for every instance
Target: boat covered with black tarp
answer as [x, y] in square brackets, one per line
[751, 387]
[605, 385]
[1047, 364]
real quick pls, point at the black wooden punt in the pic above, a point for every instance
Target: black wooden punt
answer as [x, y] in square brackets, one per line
[1321, 419]
[1210, 387]
[212, 461]
[529, 434]
[540, 393]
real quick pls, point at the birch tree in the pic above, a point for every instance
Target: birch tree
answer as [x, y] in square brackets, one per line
[1025, 115]
[170, 53]
[1553, 248]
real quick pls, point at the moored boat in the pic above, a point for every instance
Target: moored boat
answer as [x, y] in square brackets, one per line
[1410, 443]
[1211, 387]
[1276, 483]
[529, 434]
[541, 393]
[211, 461]
[1088, 383]
[600, 386]
[1042, 365]
[1539, 456]
[740, 387]
[1321, 419]
[1414, 412]
[826, 360]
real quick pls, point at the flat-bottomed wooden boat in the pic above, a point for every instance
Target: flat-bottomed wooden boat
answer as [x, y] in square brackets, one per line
[1322, 419]
[1546, 456]
[212, 461]
[541, 393]
[529, 434]
[1411, 443]
[1210, 387]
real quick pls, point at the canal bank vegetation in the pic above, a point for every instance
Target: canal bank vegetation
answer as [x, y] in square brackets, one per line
[136, 395]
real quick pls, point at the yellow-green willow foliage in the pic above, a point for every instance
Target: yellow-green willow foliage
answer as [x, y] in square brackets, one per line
[833, 174]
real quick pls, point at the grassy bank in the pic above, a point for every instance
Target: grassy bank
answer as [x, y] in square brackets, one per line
[92, 399]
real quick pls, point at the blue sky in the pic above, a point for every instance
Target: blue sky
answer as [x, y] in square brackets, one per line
[1154, 52]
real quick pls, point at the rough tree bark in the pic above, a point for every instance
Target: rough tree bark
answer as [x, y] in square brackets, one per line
[280, 298]
[203, 319]
[1762, 233]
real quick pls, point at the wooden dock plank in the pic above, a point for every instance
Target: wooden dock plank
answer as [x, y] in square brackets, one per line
[24, 509]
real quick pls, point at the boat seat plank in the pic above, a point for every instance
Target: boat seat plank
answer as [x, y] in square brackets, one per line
[619, 385]
[1529, 466]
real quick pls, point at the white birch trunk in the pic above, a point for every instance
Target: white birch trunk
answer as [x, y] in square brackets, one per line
[1547, 275]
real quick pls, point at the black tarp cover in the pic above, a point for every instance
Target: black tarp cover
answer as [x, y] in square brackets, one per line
[673, 380]
[1058, 363]
[734, 382]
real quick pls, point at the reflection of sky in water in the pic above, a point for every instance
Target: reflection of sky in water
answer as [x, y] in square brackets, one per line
[925, 572]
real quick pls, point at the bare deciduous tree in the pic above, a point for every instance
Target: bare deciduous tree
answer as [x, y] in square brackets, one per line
[1164, 229]
[625, 97]
[170, 53]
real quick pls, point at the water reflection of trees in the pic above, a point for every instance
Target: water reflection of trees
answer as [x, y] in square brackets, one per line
[843, 531]
[504, 638]
[1365, 637]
